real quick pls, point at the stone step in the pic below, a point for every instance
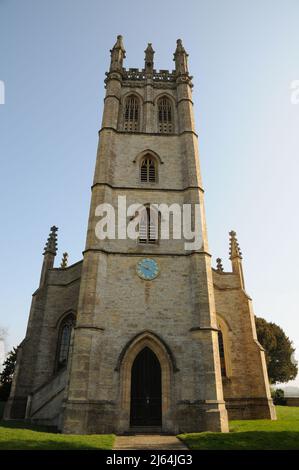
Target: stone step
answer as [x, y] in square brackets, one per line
[145, 430]
[149, 442]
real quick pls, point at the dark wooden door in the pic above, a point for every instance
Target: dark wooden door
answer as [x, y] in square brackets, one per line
[146, 392]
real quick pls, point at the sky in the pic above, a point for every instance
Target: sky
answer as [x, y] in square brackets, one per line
[243, 55]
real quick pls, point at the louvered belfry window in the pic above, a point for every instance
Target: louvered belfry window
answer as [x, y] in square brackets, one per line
[148, 227]
[165, 117]
[148, 172]
[131, 117]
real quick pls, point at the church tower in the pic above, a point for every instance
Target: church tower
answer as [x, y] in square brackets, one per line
[142, 335]
[145, 350]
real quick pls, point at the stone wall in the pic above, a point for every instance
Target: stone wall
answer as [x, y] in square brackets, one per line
[246, 387]
[292, 401]
[36, 356]
[45, 405]
[161, 308]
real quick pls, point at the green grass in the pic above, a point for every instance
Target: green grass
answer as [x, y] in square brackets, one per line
[259, 434]
[19, 436]
[244, 435]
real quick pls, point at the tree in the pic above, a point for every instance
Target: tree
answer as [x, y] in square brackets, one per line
[279, 351]
[7, 374]
[278, 397]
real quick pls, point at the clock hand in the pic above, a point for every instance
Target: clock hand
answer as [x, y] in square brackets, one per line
[147, 265]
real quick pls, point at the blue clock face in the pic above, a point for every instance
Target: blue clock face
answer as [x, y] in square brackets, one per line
[147, 269]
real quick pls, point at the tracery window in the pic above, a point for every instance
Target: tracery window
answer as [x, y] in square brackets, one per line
[165, 116]
[131, 114]
[64, 338]
[148, 170]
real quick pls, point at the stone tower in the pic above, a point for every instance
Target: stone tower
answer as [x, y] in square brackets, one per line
[147, 124]
[142, 334]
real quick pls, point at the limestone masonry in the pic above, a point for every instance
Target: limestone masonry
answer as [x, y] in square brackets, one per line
[112, 346]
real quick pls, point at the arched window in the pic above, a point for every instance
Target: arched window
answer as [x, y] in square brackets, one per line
[148, 170]
[64, 339]
[221, 353]
[165, 118]
[131, 116]
[148, 226]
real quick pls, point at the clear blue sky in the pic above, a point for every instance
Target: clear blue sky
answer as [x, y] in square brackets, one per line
[243, 55]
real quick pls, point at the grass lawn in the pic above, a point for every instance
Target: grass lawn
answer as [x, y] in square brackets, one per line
[18, 436]
[252, 434]
[244, 435]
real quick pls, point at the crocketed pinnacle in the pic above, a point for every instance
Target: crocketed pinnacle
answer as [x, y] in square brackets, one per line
[51, 245]
[118, 54]
[119, 43]
[234, 249]
[179, 47]
[149, 52]
[219, 265]
[64, 260]
[181, 59]
[149, 59]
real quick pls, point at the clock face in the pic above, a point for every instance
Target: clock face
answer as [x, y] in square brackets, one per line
[147, 269]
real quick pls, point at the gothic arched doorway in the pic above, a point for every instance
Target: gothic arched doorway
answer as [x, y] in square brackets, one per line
[146, 390]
